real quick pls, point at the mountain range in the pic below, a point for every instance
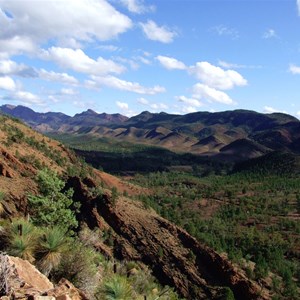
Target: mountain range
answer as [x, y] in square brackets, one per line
[230, 135]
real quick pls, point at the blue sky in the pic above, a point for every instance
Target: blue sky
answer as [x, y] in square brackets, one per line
[128, 56]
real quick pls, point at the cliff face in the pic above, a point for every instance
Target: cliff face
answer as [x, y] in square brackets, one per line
[176, 258]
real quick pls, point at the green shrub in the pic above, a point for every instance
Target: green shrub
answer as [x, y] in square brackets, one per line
[22, 239]
[115, 288]
[51, 247]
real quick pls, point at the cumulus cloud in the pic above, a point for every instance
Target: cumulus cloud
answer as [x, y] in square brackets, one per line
[294, 69]
[7, 83]
[59, 77]
[122, 105]
[9, 67]
[223, 30]
[11, 45]
[24, 97]
[159, 106]
[271, 110]
[123, 85]
[269, 34]
[143, 101]
[78, 61]
[170, 63]
[190, 101]
[83, 20]
[204, 92]
[188, 109]
[153, 106]
[158, 33]
[137, 6]
[216, 77]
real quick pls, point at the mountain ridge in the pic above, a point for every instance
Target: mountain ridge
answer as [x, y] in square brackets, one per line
[201, 133]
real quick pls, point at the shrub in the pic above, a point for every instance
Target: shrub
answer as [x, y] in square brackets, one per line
[80, 266]
[115, 288]
[22, 239]
[52, 244]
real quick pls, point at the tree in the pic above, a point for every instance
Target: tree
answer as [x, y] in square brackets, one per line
[53, 207]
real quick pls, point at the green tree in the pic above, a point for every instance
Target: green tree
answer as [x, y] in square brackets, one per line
[53, 207]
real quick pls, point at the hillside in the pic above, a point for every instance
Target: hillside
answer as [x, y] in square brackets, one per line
[132, 231]
[221, 135]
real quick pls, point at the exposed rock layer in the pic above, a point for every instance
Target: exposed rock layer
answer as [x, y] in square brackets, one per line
[176, 258]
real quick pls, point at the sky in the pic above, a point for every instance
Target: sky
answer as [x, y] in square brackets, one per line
[129, 56]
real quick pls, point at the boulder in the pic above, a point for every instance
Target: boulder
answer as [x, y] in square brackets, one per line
[20, 280]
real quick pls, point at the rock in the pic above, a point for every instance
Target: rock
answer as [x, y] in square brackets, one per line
[6, 171]
[29, 275]
[21, 280]
[65, 290]
[43, 298]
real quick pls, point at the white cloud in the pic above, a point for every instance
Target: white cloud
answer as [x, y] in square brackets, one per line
[204, 92]
[137, 6]
[154, 106]
[298, 113]
[122, 105]
[269, 34]
[78, 61]
[298, 6]
[9, 67]
[189, 101]
[170, 63]
[216, 77]
[7, 83]
[116, 83]
[143, 101]
[11, 45]
[33, 22]
[69, 92]
[156, 33]
[294, 69]
[125, 109]
[60, 77]
[188, 109]
[270, 110]
[228, 65]
[158, 106]
[27, 97]
[24, 97]
[144, 60]
[222, 30]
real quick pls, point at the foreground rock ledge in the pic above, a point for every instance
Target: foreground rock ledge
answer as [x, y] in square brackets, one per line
[21, 280]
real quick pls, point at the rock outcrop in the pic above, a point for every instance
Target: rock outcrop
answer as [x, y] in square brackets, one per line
[19, 279]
